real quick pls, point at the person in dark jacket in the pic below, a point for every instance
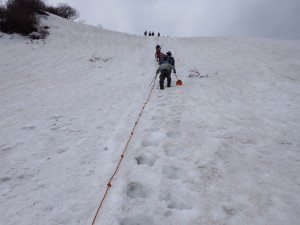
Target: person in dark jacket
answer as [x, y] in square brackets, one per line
[169, 58]
[165, 71]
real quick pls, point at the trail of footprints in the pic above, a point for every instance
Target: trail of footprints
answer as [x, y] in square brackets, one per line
[162, 158]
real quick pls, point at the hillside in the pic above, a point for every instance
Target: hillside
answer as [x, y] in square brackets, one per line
[221, 149]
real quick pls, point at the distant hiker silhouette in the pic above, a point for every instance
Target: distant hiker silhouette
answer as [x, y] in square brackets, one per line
[152, 33]
[145, 33]
[158, 34]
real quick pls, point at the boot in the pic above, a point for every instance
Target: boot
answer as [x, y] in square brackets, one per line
[161, 84]
[169, 82]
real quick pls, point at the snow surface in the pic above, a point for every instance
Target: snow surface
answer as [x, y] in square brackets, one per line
[221, 149]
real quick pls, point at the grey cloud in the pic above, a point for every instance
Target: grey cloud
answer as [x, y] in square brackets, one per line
[251, 18]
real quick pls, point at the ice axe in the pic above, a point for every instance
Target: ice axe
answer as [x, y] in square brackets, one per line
[178, 82]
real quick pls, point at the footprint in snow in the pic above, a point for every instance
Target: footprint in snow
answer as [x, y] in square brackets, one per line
[149, 142]
[229, 209]
[56, 117]
[6, 148]
[174, 134]
[137, 220]
[146, 159]
[170, 152]
[174, 173]
[265, 152]
[178, 199]
[155, 118]
[174, 122]
[153, 129]
[29, 127]
[5, 179]
[136, 190]
[61, 150]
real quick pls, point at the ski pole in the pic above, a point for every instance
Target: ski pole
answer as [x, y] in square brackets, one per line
[153, 79]
[176, 76]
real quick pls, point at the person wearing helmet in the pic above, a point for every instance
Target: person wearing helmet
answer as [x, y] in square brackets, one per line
[165, 71]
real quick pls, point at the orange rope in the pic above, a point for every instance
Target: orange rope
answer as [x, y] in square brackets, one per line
[122, 156]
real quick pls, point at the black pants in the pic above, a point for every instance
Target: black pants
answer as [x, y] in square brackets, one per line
[162, 78]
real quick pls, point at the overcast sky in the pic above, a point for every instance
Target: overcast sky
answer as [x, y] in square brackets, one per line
[278, 19]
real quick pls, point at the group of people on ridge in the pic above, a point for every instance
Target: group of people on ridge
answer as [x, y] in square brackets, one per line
[151, 33]
[166, 65]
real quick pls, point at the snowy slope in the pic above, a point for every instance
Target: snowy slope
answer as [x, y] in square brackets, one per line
[221, 149]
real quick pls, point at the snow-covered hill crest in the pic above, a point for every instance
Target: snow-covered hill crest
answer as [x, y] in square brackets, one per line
[221, 149]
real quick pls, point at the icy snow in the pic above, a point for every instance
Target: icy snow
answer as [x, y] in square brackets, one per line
[221, 149]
